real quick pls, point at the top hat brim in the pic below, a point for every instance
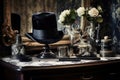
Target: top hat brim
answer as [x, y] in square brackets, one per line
[46, 40]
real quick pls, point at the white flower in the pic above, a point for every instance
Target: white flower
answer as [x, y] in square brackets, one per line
[61, 20]
[99, 8]
[81, 11]
[63, 15]
[65, 12]
[93, 12]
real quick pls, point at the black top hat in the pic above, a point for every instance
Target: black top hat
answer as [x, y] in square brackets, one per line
[45, 28]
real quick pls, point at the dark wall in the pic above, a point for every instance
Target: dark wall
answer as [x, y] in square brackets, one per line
[106, 29]
[1, 19]
[1, 14]
[115, 23]
[4, 50]
[111, 24]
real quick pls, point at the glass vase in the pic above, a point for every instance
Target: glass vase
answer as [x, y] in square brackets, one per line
[91, 33]
[92, 30]
[73, 32]
[69, 31]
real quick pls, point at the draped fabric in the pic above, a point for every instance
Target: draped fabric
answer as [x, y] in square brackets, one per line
[25, 8]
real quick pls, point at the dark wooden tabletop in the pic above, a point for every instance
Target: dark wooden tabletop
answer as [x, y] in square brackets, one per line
[64, 65]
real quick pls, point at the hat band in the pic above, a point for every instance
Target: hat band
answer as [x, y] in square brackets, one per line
[41, 34]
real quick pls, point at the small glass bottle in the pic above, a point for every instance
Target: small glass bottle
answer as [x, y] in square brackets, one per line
[18, 47]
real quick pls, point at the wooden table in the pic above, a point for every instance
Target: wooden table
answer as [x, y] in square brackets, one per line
[89, 70]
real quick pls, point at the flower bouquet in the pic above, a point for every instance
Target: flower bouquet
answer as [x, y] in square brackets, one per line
[67, 17]
[92, 14]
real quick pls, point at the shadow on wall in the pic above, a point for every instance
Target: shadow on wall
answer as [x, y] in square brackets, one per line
[15, 21]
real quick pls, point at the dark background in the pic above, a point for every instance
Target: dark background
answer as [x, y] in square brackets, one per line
[1, 14]
[111, 24]
[109, 27]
